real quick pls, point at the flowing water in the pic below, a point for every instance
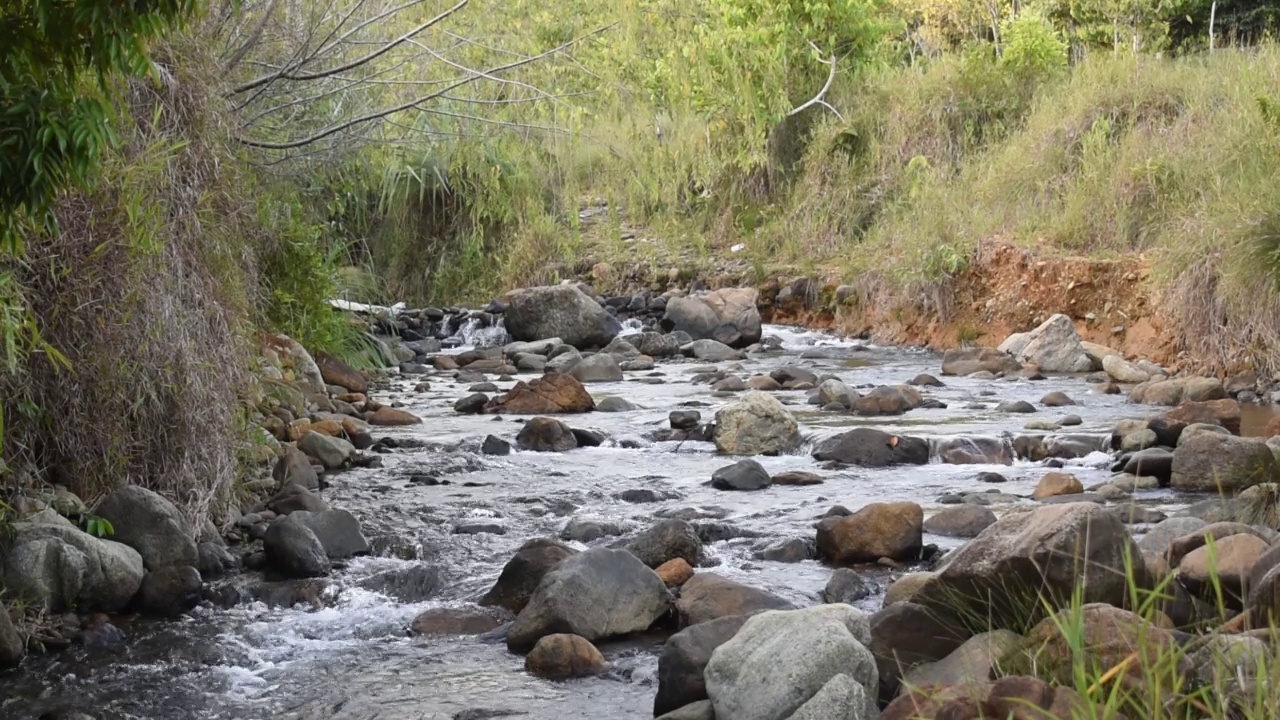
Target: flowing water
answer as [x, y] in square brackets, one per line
[355, 658]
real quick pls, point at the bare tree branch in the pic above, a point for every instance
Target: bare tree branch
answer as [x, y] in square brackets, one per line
[819, 98]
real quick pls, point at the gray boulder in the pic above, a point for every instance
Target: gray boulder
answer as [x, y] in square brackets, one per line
[845, 586]
[596, 594]
[665, 541]
[1217, 463]
[729, 316]
[778, 661]
[708, 596]
[524, 571]
[742, 475]
[1159, 538]
[975, 450]
[872, 448]
[170, 591]
[561, 311]
[970, 664]
[332, 452]
[601, 367]
[684, 658]
[700, 710]
[756, 425]
[961, 521]
[834, 392]
[294, 468]
[967, 361]
[656, 345]
[543, 434]
[710, 351]
[293, 550]
[842, 698]
[12, 647]
[55, 565]
[1054, 346]
[338, 532]
[150, 524]
[1123, 371]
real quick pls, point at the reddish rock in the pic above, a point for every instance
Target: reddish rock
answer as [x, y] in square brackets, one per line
[336, 372]
[392, 416]
[1056, 483]
[675, 572]
[553, 393]
[1225, 412]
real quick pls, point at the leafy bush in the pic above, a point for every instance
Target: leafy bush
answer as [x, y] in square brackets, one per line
[1032, 48]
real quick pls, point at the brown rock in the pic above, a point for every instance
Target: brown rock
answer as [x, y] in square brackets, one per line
[905, 635]
[444, 362]
[553, 393]
[353, 398]
[455, 621]
[675, 572]
[1218, 531]
[707, 596]
[386, 416]
[879, 530]
[563, 656]
[326, 427]
[764, 383]
[522, 573]
[1231, 560]
[905, 587]
[1056, 483]
[797, 477]
[1015, 697]
[1225, 412]
[336, 372]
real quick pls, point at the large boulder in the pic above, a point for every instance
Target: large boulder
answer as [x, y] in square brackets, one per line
[290, 355]
[56, 566]
[294, 468]
[842, 698]
[563, 656]
[1054, 346]
[169, 592]
[1218, 463]
[778, 661]
[756, 425]
[597, 594]
[1123, 371]
[561, 311]
[742, 475]
[879, 530]
[729, 316]
[1226, 566]
[524, 571]
[552, 394]
[1020, 697]
[684, 658]
[1178, 391]
[710, 351]
[967, 361]
[336, 372]
[543, 434]
[293, 550]
[1224, 412]
[975, 450]
[971, 663]
[665, 541]
[337, 530]
[1026, 560]
[708, 596]
[873, 448]
[332, 452]
[905, 635]
[601, 367]
[150, 524]
[961, 521]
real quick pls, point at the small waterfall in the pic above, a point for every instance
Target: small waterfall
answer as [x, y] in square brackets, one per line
[473, 333]
[631, 326]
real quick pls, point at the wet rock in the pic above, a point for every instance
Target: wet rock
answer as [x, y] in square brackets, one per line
[845, 586]
[214, 561]
[294, 468]
[338, 531]
[835, 392]
[559, 311]
[991, 477]
[615, 404]
[779, 661]
[1224, 412]
[763, 383]
[1123, 371]
[787, 551]
[455, 621]
[293, 498]
[588, 438]
[332, 452]
[905, 635]
[1209, 462]
[674, 572]
[585, 531]
[975, 450]
[150, 524]
[1012, 697]
[472, 404]
[756, 425]
[56, 566]
[965, 521]
[1015, 406]
[1054, 346]
[621, 349]
[479, 528]
[1056, 483]
[389, 416]
[733, 383]
[842, 698]
[1071, 421]
[598, 593]
[293, 550]
[684, 419]
[169, 591]
[336, 372]
[926, 380]
[1152, 462]
[797, 477]
[707, 596]
[542, 434]
[872, 405]
[640, 495]
[684, 659]
[12, 647]
[873, 448]
[878, 530]
[656, 344]
[495, 446]
[552, 394]
[970, 664]
[665, 541]
[601, 367]
[790, 375]
[728, 315]
[966, 361]
[564, 656]
[742, 475]
[1056, 399]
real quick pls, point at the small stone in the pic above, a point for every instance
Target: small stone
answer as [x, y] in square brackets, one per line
[675, 572]
[493, 445]
[1056, 483]
[563, 656]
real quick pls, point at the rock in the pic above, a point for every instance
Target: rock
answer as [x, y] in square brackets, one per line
[975, 450]
[970, 664]
[845, 586]
[294, 357]
[729, 315]
[1209, 462]
[879, 530]
[905, 635]
[150, 524]
[455, 621]
[842, 698]
[12, 646]
[524, 571]
[926, 380]
[787, 551]
[756, 425]
[707, 596]
[684, 419]
[1123, 371]
[665, 541]
[1054, 346]
[473, 404]
[778, 661]
[797, 477]
[1230, 561]
[56, 566]
[170, 591]
[597, 594]
[1071, 421]
[495, 446]
[336, 372]
[966, 361]
[1020, 697]
[601, 367]
[480, 528]
[700, 710]
[293, 550]
[742, 475]
[559, 311]
[904, 588]
[764, 383]
[542, 434]
[552, 394]
[733, 383]
[675, 572]
[294, 468]
[585, 531]
[873, 448]
[1038, 555]
[1152, 462]
[214, 560]
[1229, 665]
[835, 392]
[563, 656]
[991, 477]
[332, 452]
[1015, 406]
[614, 404]
[710, 351]
[1190, 431]
[1224, 412]
[656, 344]
[293, 498]
[964, 521]
[338, 531]
[1140, 440]
[1056, 399]
[1057, 483]
[388, 416]
[684, 659]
